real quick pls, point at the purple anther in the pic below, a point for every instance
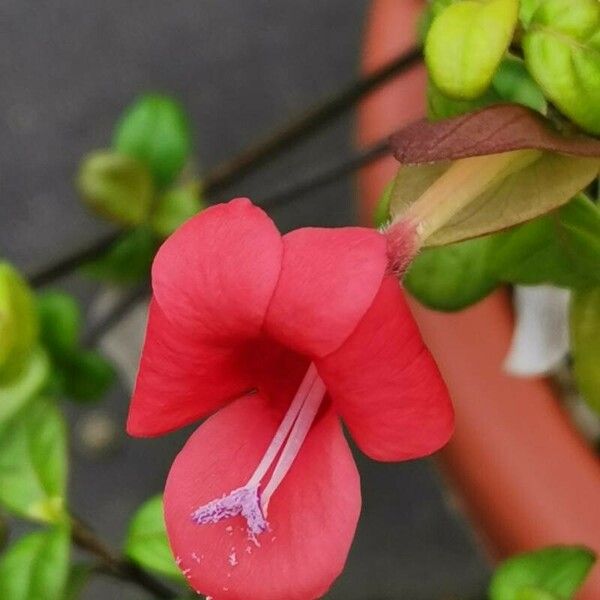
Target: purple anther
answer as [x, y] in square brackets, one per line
[244, 501]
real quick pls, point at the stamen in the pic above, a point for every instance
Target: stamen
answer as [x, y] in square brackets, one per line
[245, 501]
[285, 425]
[296, 439]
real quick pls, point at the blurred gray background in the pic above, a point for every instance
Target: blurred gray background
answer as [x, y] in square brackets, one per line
[67, 69]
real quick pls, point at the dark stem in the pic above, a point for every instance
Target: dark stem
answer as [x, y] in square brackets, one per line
[288, 194]
[114, 316]
[116, 565]
[255, 156]
[71, 262]
[326, 175]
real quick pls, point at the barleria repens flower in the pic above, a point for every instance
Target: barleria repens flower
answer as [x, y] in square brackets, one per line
[280, 338]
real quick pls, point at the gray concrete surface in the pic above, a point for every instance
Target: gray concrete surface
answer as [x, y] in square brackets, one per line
[240, 67]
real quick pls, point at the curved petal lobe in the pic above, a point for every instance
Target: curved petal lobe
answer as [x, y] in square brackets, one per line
[216, 274]
[386, 386]
[328, 280]
[181, 378]
[312, 515]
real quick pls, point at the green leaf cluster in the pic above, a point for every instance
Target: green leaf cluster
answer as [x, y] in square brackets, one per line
[135, 185]
[79, 374]
[468, 45]
[561, 45]
[561, 248]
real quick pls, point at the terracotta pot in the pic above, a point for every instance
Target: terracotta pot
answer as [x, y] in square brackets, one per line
[526, 477]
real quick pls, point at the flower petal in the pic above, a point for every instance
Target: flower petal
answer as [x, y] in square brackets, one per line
[328, 280]
[181, 377]
[312, 515]
[385, 385]
[216, 274]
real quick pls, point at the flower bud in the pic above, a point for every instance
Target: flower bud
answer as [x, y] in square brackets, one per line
[117, 187]
[18, 321]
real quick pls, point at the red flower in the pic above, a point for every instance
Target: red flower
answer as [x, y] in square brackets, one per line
[280, 337]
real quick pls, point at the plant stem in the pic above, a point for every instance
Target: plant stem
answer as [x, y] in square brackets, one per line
[71, 262]
[252, 158]
[326, 175]
[116, 565]
[310, 121]
[277, 199]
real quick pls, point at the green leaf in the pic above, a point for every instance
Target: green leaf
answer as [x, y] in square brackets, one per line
[432, 10]
[155, 130]
[18, 322]
[585, 344]
[543, 182]
[561, 248]
[33, 462]
[88, 376]
[79, 374]
[79, 575]
[486, 171]
[558, 571]
[513, 83]
[60, 323]
[466, 43]
[146, 542]
[451, 277]
[175, 207]
[382, 211]
[116, 187]
[562, 52]
[36, 567]
[15, 394]
[128, 260]
[531, 593]
[440, 106]
[527, 10]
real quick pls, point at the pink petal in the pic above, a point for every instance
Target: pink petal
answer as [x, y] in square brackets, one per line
[385, 384]
[312, 515]
[216, 274]
[328, 280]
[181, 378]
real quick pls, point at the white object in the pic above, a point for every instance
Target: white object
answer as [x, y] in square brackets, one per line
[541, 336]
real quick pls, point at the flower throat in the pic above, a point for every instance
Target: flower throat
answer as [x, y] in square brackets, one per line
[250, 501]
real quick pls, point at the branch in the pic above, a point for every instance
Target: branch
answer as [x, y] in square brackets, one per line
[71, 262]
[255, 156]
[327, 175]
[116, 565]
[283, 139]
